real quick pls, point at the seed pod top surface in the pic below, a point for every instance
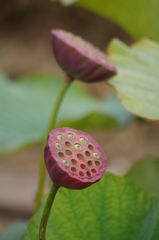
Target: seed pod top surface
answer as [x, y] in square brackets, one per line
[80, 59]
[73, 159]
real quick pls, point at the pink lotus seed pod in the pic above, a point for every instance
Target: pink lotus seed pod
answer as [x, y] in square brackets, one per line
[80, 59]
[73, 159]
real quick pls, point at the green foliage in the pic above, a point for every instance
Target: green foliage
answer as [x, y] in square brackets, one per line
[26, 106]
[67, 2]
[137, 81]
[146, 174]
[150, 227]
[14, 231]
[113, 208]
[138, 17]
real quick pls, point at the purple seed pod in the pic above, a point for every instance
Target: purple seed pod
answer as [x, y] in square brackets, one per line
[73, 159]
[80, 59]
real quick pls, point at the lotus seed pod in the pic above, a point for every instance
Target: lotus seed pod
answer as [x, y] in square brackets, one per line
[73, 159]
[80, 59]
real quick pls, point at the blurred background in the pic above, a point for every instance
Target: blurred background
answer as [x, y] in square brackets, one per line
[25, 50]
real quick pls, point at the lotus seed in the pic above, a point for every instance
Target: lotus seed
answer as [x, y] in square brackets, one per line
[73, 169]
[80, 156]
[78, 146]
[90, 147]
[97, 163]
[96, 155]
[90, 163]
[83, 166]
[60, 137]
[83, 140]
[88, 174]
[93, 171]
[74, 161]
[71, 163]
[68, 144]
[61, 154]
[66, 163]
[71, 136]
[68, 152]
[87, 153]
[58, 146]
[100, 70]
[81, 174]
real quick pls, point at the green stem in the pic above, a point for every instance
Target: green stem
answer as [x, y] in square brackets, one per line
[46, 212]
[51, 126]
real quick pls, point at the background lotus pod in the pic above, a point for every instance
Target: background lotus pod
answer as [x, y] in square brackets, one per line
[80, 59]
[73, 159]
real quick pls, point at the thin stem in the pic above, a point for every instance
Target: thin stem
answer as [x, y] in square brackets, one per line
[46, 212]
[51, 126]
